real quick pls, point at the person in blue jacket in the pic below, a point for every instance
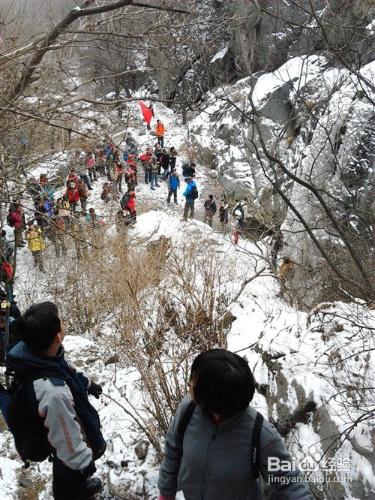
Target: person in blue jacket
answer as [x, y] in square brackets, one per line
[173, 186]
[191, 194]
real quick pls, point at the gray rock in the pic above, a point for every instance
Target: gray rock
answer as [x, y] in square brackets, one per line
[111, 360]
[141, 449]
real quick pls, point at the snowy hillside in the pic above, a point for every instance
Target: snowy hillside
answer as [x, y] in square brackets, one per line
[312, 369]
[274, 104]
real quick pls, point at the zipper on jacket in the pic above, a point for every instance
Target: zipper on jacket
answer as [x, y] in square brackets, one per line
[206, 464]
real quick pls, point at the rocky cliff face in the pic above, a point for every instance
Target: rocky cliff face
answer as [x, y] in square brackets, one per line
[297, 144]
[258, 35]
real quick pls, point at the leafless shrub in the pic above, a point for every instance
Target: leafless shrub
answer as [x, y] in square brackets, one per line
[163, 305]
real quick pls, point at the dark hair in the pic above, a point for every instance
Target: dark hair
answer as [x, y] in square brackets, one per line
[211, 196]
[222, 382]
[38, 326]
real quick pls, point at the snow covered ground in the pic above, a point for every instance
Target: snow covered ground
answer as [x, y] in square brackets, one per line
[324, 356]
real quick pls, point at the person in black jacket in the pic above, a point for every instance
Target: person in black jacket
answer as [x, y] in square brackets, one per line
[209, 210]
[188, 170]
[158, 153]
[223, 215]
[173, 157]
[59, 397]
[165, 161]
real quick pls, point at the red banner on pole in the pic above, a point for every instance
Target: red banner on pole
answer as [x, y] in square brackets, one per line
[146, 112]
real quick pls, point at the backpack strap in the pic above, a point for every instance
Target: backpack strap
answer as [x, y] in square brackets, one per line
[184, 420]
[14, 380]
[255, 445]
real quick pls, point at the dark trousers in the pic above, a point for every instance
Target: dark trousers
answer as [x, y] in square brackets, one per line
[119, 183]
[86, 180]
[18, 236]
[83, 205]
[147, 176]
[38, 260]
[100, 169]
[67, 484]
[161, 141]
[189, 207]
[170, 192]
[92, 174]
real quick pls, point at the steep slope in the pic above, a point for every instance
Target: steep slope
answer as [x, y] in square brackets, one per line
[315, 372]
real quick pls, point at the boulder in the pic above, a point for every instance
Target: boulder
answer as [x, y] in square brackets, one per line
[141, 449]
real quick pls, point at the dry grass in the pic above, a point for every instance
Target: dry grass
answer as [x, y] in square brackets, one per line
[163, 306]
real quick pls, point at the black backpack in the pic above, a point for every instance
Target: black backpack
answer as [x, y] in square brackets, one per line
[255, 441]
[125, 200]
[9, 220]
[20, 410]
[194, 193]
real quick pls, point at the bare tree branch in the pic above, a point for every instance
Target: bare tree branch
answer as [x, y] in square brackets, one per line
[73, 15]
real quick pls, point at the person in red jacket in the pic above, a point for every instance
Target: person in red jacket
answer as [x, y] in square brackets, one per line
[15, 220]
[72, 177]
[130, 207]
[146, 160]
[73, 194]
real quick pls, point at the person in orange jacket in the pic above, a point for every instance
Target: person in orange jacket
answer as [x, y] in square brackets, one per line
[160, 131]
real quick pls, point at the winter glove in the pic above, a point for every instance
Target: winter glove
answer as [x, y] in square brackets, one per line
[95, 390]
[162, 497]
[89, 471]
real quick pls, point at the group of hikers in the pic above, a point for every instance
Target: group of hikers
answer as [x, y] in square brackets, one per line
[63, 217]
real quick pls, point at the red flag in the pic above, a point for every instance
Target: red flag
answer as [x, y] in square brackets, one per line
[146, 112]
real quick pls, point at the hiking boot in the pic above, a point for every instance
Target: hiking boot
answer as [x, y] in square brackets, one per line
[93, 486]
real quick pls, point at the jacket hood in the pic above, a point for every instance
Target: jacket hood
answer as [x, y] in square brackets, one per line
[22, 360]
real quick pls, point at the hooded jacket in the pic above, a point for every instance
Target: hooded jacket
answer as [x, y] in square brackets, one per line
[15, 219]
[212, 462]
[160, 129]
[35, 239]
[188, 191]
[73, 424]
[210, 207]
[174, 182]
[73, 195]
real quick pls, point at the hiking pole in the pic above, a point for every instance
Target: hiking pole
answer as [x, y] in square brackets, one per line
[6, 305]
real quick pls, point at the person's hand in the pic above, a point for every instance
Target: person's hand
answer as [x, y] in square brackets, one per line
[89, 471]
[95, 390]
